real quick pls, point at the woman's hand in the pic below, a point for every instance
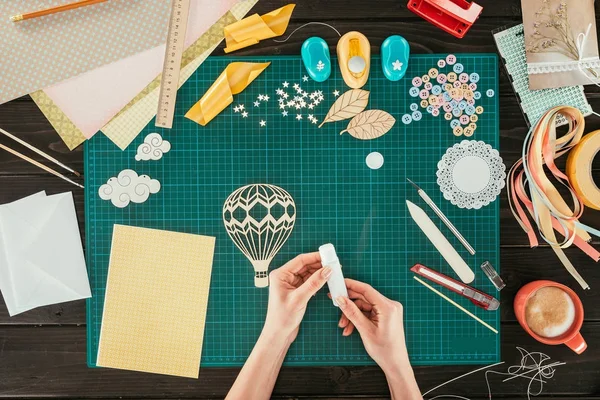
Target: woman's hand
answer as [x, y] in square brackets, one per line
[291, 287]
[379, 321]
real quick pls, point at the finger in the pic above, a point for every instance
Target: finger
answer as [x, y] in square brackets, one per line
[356, 296]
[367, 291]
[313, 284]
[343, 321]
[309, 269]
[354, 314]
[350, 327]
[348, 330]
[363, 305]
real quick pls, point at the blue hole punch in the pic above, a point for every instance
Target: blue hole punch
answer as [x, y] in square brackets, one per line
[395, 52]
[315, 55]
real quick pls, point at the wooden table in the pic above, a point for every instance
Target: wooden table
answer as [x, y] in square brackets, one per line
[42, 352]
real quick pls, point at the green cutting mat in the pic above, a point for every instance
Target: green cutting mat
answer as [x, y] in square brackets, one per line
[339, 200]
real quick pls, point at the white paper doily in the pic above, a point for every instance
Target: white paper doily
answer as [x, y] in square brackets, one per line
[471, 174]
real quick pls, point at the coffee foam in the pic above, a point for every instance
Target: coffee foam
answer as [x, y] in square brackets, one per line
[550, 312]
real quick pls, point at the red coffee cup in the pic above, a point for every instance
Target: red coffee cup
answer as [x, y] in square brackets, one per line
[572, 338]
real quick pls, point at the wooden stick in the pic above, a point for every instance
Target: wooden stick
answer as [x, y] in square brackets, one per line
[54, 10]
[41, 153]
[37, 164]
[455, 304]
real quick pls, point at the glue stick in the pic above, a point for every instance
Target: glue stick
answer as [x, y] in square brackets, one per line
[336, 284]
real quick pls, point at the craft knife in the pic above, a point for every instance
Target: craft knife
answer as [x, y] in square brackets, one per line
[477, 297]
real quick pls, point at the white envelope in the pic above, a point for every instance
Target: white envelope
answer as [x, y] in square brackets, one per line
[41, 255]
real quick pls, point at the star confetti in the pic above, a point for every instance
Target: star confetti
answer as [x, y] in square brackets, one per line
[257, 103]
[236, 109]
[305, 78]
[336, 93]
[266, 97]
[299, 117]
[263, 122]
[285, 84]
[261, 97]
[284, 113]
[245, 114]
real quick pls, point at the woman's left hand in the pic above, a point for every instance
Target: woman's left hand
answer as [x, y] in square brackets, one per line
[290, 288]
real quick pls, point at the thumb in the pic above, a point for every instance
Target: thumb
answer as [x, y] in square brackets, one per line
[353, 313]
[314, 284]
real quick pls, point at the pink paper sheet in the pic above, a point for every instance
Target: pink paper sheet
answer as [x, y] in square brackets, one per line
[92, 99]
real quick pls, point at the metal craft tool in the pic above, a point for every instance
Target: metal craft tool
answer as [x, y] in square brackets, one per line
[169, 81]
[490, 272]
[476, 297]
[444, 219]
[441, 243]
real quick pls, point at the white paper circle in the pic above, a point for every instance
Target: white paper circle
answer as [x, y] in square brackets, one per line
[357, 64]
[471, 174]
[374, 160]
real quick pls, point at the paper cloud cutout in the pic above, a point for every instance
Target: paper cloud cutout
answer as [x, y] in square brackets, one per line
[153, 148]
[128, 187]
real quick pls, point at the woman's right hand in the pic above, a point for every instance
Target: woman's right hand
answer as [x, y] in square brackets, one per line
[379, 322]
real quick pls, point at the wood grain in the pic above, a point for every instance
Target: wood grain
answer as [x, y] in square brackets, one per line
[51, 360]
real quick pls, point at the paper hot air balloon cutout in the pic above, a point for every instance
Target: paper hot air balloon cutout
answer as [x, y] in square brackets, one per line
[259, 219]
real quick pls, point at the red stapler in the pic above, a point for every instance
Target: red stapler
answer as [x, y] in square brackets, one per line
[454, 16]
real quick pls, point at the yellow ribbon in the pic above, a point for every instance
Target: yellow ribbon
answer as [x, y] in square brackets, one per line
[579, 169]
[255, 28]
[233, 80]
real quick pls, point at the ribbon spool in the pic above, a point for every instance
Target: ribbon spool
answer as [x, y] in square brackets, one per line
[579, 169]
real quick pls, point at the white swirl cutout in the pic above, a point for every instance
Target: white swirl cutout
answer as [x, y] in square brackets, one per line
[128, 187]
[153, 148]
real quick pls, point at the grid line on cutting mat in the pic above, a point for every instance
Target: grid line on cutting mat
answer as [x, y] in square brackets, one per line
[338, 198]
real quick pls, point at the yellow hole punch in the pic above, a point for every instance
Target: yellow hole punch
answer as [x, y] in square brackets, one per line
[354, 57]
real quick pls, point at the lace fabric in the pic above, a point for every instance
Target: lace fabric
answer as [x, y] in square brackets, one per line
[491, 189]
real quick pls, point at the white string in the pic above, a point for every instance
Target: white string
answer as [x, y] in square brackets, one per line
[302, 26]
[531, 367]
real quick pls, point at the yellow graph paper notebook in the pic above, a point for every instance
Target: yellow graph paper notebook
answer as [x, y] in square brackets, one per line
[156, 300]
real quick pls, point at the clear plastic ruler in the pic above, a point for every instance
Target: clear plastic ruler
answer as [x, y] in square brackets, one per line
[169, 82]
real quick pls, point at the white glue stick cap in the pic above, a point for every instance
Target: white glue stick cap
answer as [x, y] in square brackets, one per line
[328, 254]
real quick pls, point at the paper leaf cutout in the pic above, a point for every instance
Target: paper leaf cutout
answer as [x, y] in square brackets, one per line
[347, 105]
[370, 124]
